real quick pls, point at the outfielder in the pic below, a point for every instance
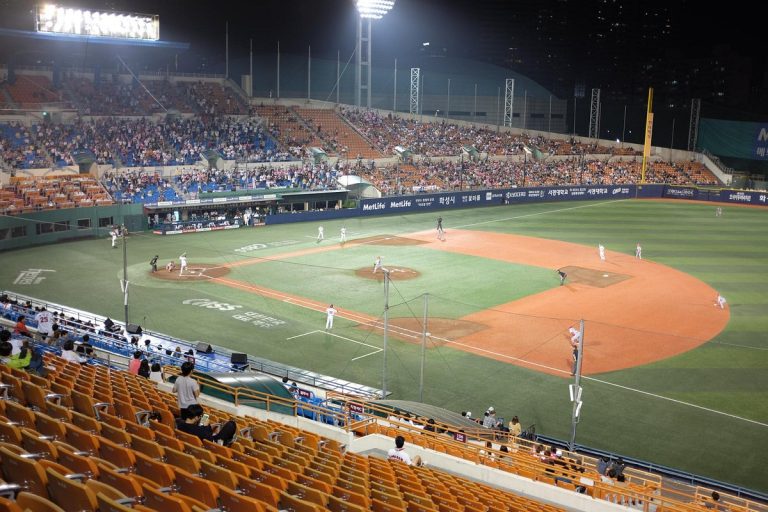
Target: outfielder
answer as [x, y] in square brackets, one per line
[182, 263]
[320, 235]
[113, 234]
[330, 312]
[343, 237]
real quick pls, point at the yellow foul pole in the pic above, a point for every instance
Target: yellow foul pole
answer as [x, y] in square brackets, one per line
[648, 134]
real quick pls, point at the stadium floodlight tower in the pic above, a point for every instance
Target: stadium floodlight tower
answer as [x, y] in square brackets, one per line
[369, 10]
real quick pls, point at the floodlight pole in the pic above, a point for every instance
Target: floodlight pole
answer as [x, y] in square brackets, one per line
[386, 336]
[394, 93]
[448, 108]
[226, 51]
[576, 397]
[125, 276]
[250, 81]
[423, 347]
[277, 96]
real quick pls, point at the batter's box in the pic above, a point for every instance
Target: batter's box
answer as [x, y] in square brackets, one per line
[592, 277]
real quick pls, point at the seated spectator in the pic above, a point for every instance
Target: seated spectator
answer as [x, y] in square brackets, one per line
[144, 369]
[618, 466]
[398, 453]
[19, 361]
[21, 328]
[135, 363]
[194, 422]
[68, 353]
[602, 465]
[156, 373]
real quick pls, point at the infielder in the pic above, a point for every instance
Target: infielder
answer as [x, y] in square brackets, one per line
[320, 235]
[170, 266]
[562, 275]
[720, 301]
[182, 263]
[377, 264]
[638, 251]
[330, 312]
[601, 250]
[153, 263]
[575, 335]
[440, 230]
[343, 237]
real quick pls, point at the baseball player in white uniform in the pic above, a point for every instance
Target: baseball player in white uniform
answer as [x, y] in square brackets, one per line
[575, 334]
[720, 301]
[343, 237]
[330, 313]
[377, 264]
[320, 235]
[182, 263]
[113, 234]
[601, 250]
[639, 251]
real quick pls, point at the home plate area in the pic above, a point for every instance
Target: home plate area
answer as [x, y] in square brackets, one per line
[194, 272]
[592, 277]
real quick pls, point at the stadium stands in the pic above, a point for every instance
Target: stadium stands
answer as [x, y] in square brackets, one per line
[92, 425]
[53, 192]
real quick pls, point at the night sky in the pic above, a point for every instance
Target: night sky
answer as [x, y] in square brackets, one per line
[557, 53]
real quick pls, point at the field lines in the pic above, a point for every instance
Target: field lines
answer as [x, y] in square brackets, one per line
[375, 351]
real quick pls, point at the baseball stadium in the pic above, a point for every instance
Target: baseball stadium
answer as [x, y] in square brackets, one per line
[346, 273]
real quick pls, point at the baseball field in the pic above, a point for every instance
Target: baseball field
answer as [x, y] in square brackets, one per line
[669, 376]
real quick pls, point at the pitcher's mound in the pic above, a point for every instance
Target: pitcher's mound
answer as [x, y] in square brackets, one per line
[395, 273]
[194, 272]
[592, 277]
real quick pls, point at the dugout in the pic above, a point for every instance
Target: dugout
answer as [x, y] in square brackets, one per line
[260, 383]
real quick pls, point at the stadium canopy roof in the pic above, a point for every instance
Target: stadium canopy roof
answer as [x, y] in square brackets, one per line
[28, 34]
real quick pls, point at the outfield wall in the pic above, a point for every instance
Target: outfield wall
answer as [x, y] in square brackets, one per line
[451, 200]
[58, 225]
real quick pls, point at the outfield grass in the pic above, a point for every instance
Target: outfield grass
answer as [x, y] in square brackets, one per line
[715, 427]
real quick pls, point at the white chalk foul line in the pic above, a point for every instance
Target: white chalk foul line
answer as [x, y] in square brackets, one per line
[376, 351]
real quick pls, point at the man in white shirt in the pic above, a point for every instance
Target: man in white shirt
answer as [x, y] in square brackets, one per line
[44, 321]
[397, 453]
[330, 312]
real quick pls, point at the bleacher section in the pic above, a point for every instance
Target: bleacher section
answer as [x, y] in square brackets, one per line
[342, 138]
[32, 91]
[52, 192]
